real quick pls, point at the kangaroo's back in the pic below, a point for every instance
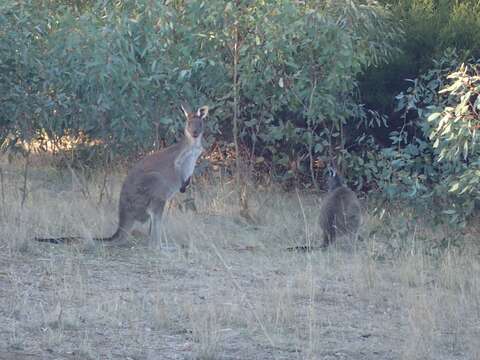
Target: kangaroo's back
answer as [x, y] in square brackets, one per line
[154, 175]
[340, 213]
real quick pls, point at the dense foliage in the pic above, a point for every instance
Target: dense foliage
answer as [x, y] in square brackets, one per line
[431, 27]
[115, 71]
[435, 156]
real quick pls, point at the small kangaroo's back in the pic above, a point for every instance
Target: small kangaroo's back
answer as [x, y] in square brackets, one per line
[340, 213]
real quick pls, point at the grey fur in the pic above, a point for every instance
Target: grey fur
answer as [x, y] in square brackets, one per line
[340, 213]
[154, 180]
[158, 177]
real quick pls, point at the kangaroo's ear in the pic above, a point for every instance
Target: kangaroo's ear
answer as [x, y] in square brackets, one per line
[202, 112]
[186, 109]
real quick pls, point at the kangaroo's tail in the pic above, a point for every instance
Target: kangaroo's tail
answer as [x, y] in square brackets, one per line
[59, 240]
[117, 235]
[105, 239]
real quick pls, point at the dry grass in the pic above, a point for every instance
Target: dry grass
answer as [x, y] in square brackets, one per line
[223, 289]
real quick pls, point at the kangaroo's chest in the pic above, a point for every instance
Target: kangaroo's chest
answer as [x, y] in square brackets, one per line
[185, 162]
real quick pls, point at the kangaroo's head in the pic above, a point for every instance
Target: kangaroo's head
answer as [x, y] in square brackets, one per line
[195, 121]
[334, 179]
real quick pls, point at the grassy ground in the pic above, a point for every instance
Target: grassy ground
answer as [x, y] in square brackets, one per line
[223, 289]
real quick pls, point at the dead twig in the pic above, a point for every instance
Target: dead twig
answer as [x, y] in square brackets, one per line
[2, 185]
[25, 178]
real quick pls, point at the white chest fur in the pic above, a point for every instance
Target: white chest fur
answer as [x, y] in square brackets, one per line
[186, 160]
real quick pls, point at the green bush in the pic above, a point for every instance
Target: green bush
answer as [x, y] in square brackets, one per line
[435, 156]
[455, 126]
[103, 73]
[115, 71]
[430, 27]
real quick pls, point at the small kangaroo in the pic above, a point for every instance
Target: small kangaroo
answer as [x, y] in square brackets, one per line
[340, 213]
[154, 180]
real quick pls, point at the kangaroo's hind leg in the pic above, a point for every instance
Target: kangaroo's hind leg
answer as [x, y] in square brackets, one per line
[156, 213]
[126, 220]
[328, 236]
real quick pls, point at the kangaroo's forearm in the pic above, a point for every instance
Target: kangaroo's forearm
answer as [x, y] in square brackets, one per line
[183, 188]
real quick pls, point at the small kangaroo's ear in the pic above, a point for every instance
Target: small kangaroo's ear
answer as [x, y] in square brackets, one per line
[332, 167]
[185, 109]
[332, 172]
[202, 112]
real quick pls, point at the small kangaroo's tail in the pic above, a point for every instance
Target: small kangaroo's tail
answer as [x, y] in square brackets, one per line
[304, 248]
[70, 239]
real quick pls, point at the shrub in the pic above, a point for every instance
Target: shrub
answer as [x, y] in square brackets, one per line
[431, 27]
[455, 126]
[115, 71]
[435, 155]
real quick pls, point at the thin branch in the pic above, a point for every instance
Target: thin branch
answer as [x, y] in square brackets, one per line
[25, 178]
[2, 183]
[310, 145]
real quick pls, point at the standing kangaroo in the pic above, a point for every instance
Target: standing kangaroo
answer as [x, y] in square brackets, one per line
[340, 213]
[154, 180]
